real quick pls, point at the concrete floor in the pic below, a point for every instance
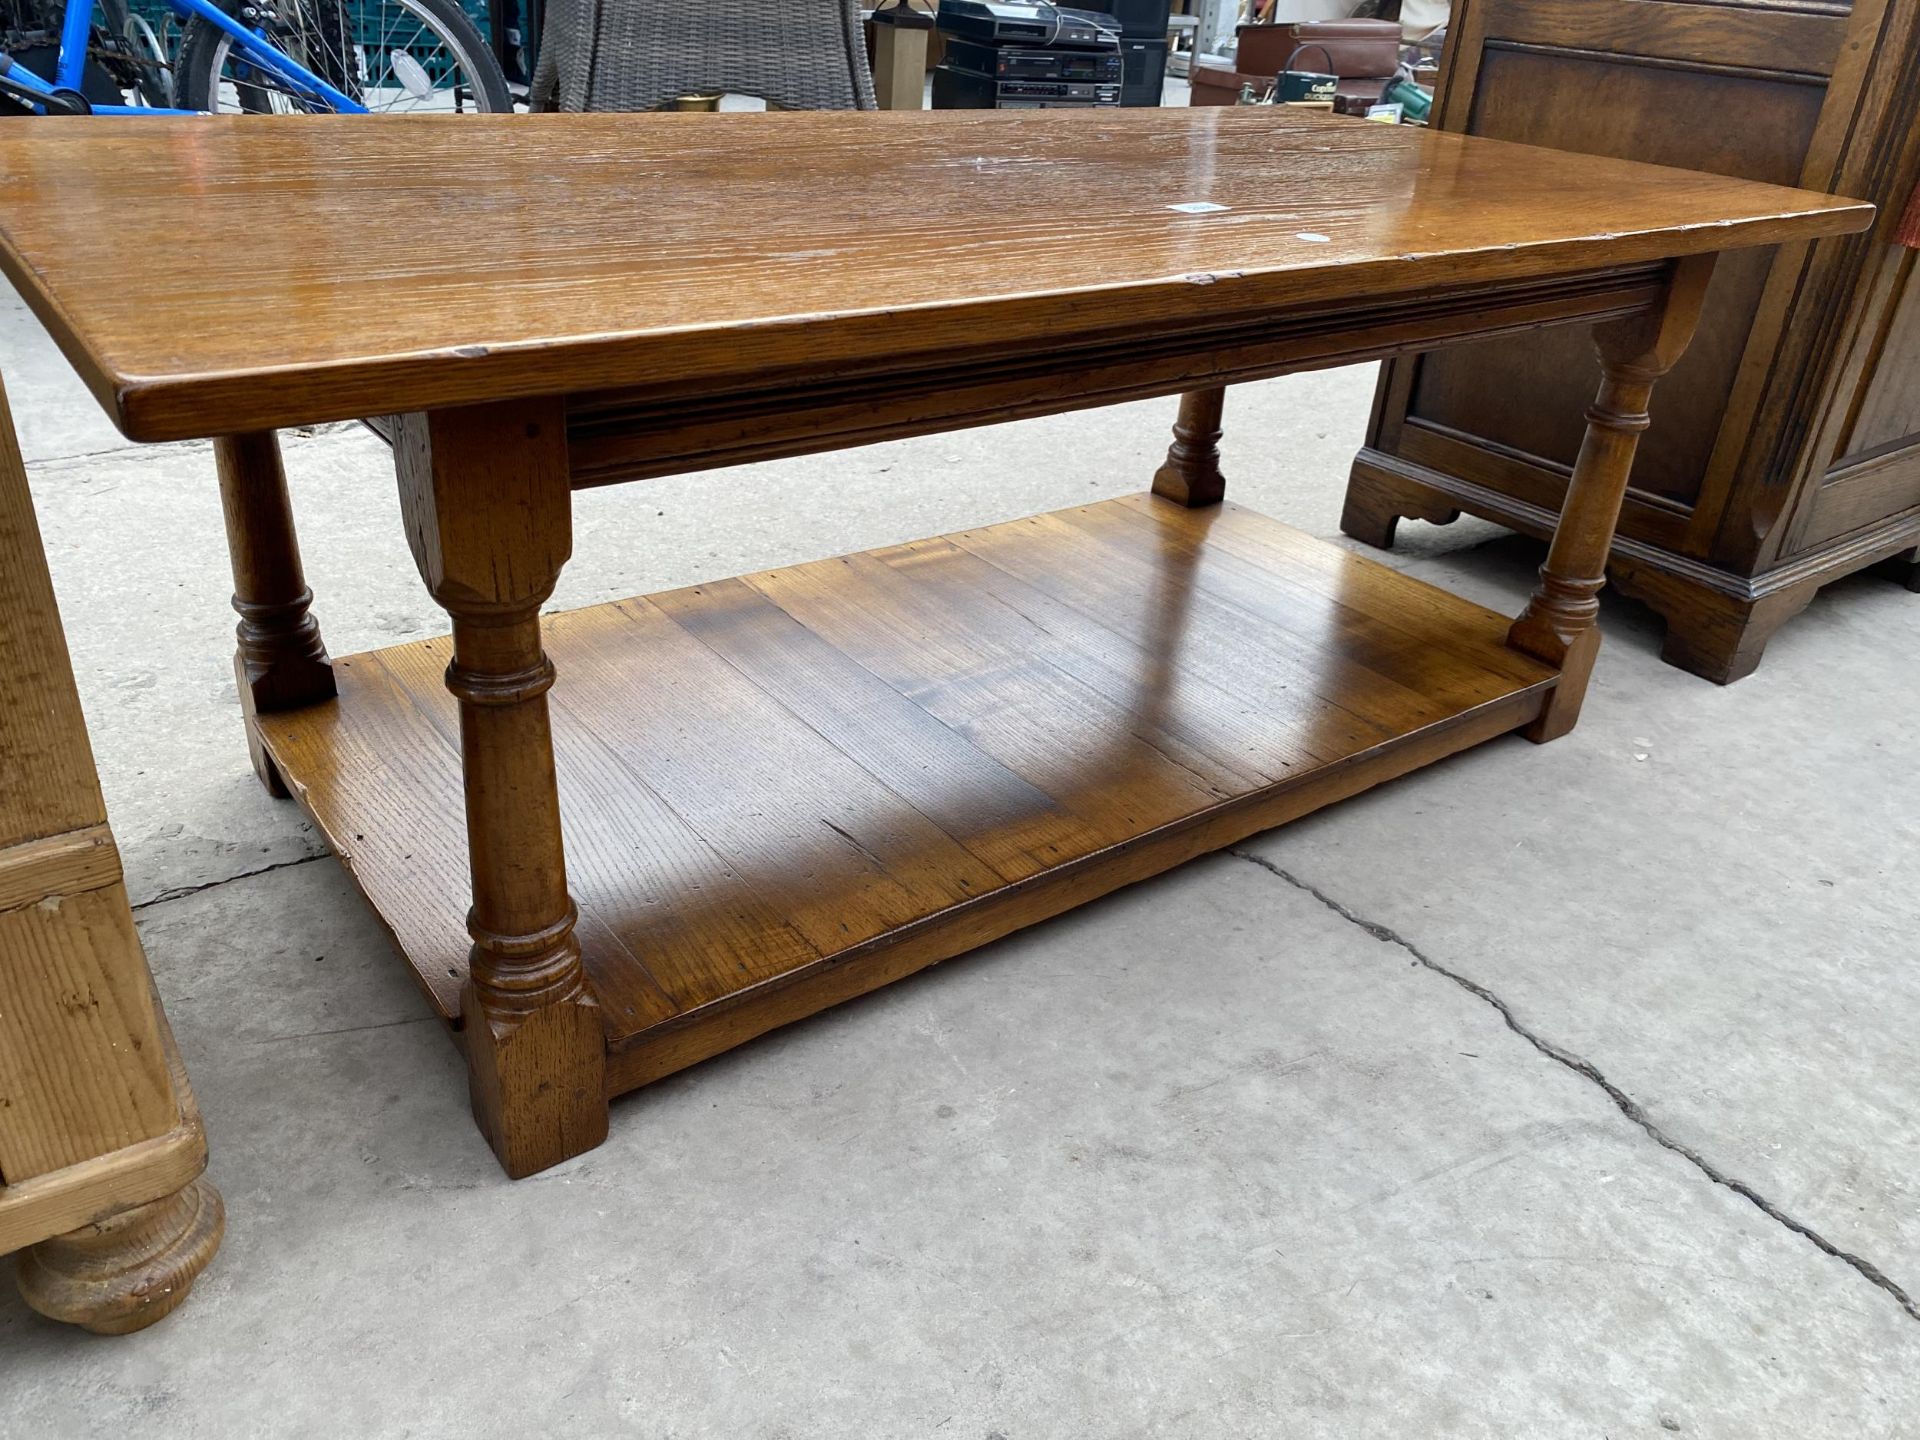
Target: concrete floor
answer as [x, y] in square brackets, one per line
[1558, 1091]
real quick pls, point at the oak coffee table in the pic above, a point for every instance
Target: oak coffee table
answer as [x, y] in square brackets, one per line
[614, 842]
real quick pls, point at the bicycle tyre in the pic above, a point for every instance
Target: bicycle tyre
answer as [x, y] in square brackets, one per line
[203, 52]
[152, 85]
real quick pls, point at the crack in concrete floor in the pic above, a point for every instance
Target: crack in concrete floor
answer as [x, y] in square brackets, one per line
[1587, 1070]
[1581, 1066]
[180, 892]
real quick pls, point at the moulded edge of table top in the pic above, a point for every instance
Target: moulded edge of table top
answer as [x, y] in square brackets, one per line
[280, 391]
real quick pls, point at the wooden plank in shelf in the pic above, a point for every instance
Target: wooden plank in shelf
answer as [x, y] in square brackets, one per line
[626, 985]
[1366, 633]
[980, 674]
[366, 771]
[1261, 649]
[1170, 705]
[787, 789]
[640, 1059]
[1295, 559]
[820, 838]
[998, 816]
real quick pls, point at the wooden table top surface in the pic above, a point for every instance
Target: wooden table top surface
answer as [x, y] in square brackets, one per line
[223, 274]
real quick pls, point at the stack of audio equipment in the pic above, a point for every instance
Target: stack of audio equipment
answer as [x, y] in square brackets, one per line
[1015, 55]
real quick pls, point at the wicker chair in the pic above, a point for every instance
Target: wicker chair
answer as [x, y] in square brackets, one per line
[645, 54]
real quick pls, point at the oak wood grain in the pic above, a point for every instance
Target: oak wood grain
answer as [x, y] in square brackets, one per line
[674, 426]
[923, 747]
[514, 256]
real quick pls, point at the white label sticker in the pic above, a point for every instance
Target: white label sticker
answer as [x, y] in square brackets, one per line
[1199, 207]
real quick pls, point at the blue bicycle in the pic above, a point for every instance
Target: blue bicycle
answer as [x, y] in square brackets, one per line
[248, 56]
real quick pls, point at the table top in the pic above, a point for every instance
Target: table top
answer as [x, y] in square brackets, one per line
[218, 274]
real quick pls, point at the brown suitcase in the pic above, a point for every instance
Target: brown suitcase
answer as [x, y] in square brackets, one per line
[1352, 48]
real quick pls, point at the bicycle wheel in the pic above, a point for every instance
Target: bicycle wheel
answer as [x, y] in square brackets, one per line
[142, 61]
[393, 56]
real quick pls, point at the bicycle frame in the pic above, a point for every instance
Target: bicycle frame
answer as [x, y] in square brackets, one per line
[76, 24]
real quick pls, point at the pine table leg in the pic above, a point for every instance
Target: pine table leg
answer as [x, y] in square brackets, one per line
[487, 506]
[1561, 622]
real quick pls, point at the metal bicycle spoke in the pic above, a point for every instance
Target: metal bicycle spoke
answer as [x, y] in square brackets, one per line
[387, 56]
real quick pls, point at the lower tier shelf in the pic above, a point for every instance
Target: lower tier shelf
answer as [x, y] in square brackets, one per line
[784, 790]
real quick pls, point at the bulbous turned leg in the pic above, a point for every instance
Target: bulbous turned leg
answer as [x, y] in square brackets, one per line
[281, 663]
[124, 1273]
[1191, 475]
[1561, 622]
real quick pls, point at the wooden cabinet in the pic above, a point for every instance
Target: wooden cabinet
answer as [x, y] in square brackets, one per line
[100, 1143]
[1785, 449]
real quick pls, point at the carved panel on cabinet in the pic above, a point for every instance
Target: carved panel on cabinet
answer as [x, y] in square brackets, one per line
[1888, 417]
[1876, 467]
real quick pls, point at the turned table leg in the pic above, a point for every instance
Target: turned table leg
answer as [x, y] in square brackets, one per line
[281, 663]
[1561, 622]
[487, 507]
[1191, 475]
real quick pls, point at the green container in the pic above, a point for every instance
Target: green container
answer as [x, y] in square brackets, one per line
[1416, 101]
[1294, 85]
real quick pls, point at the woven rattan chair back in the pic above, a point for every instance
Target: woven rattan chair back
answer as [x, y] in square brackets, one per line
[646, 54]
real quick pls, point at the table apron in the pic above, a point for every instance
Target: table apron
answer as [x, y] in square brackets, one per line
[669, 430]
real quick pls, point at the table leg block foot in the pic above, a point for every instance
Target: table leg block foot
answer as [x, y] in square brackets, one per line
[538, 1082]
[1575, 659]
[263, 765]
[312, 683]
[124, 1273]
[1191, 475]
[289, 678]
